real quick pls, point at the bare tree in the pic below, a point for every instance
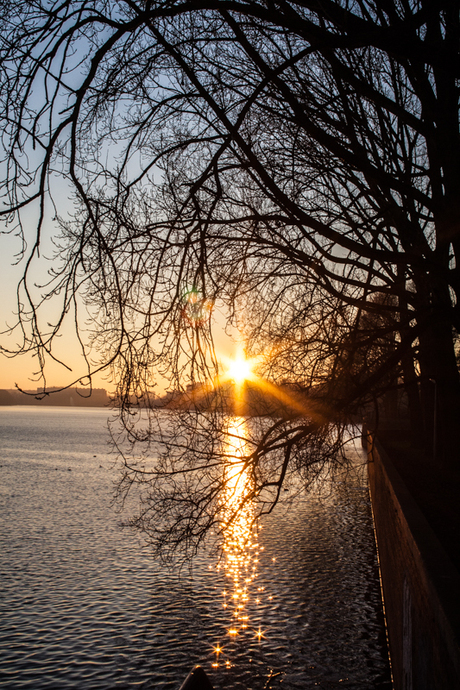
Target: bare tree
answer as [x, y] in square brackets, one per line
[296, 163]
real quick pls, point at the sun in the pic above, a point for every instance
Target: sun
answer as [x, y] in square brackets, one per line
[239, 370]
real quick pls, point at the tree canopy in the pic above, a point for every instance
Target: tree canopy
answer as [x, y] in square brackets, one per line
[295, 163]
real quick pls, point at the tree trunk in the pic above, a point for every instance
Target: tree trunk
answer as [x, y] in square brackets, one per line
[411, 383]
[441, 393]
[411, 386]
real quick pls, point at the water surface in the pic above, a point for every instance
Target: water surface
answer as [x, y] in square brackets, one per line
[84, 605]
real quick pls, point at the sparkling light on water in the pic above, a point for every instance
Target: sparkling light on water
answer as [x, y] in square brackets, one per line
[83, 604]
[241, 545]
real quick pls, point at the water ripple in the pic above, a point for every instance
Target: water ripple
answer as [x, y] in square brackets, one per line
[82, 605]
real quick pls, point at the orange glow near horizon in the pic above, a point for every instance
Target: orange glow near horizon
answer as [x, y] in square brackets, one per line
[239, 371]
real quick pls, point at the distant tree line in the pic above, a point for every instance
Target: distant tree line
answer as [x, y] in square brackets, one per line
[72, 397]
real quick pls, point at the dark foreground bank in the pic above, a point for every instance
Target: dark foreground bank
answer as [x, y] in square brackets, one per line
[421, 584]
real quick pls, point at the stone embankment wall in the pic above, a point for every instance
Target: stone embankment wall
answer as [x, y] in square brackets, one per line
[421, 587]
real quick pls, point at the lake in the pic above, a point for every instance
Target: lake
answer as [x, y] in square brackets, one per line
[83, 604]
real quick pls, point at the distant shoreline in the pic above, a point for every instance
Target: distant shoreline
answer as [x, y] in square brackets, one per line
[71, 397]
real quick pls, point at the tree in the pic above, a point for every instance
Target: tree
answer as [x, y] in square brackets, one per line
[297, 163]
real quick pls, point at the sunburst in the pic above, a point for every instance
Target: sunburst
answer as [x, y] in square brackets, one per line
[240, 370]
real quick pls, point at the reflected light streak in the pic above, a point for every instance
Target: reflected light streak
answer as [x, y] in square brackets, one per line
[240, 534]
[240, 546]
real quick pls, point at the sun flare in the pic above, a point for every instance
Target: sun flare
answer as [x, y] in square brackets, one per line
[239, 370]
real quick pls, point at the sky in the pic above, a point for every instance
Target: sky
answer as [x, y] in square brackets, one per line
[22, 370]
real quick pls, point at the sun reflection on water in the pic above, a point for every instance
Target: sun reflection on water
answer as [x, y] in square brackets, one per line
[240, 545]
